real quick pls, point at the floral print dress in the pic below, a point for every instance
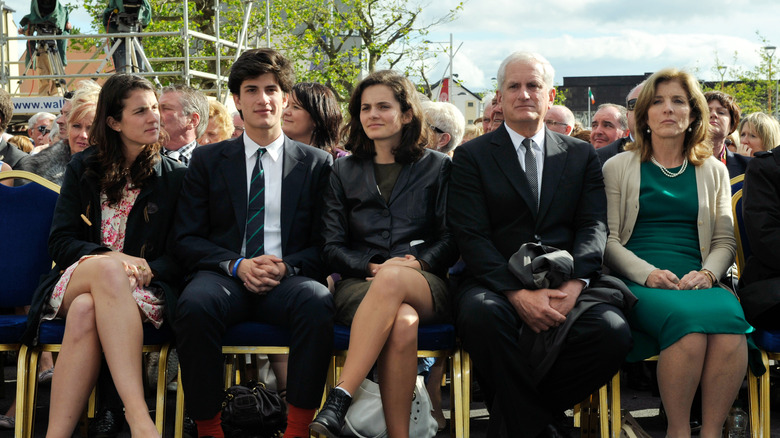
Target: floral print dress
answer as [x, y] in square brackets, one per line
[112, 226]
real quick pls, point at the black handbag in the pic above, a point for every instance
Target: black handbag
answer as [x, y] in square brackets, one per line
[253, 411]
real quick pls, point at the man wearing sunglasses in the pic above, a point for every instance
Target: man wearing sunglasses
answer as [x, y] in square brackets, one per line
[38, 127]
[618, 145]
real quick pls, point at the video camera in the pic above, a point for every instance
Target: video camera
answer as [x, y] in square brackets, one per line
[128, 21]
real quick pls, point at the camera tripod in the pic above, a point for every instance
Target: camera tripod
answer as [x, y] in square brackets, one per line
[127, 52]
[45, 56]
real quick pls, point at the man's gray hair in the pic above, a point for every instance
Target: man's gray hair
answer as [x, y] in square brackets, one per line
[38, 116]
[192, 101]
[446, 117]
[622, 119]
[548, 71]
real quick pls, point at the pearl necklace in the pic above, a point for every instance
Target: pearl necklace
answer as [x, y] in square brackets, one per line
[666, 171]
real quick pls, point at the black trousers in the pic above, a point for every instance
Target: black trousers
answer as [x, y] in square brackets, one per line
[488, 326]
[212, 302]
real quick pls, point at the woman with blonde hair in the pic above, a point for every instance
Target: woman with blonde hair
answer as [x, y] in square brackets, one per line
[671, 238]
[220, 125]
[758, 132]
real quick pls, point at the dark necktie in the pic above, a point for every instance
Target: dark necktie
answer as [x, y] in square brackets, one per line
[255, 213]
[530, 169]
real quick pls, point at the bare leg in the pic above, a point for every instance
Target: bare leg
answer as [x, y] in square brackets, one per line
[279, 367]
[398, 371]
[119, 329]
[679, 372]
[724, 369]
[434, 391]
[77, 368]
[392, 286]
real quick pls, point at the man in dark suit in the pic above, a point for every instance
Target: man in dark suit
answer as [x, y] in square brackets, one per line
[501, 196]
[242, 269]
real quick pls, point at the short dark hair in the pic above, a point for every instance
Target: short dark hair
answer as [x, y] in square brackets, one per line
[6, 109]
[257, 62]
[320, 102]
[108, 167]
[729, 103]
[415, 135]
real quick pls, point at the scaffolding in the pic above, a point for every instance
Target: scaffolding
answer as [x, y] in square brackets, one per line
[11, 79]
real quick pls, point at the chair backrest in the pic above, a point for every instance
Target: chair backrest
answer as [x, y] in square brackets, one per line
[736, 183]
[740, 233]
[25, 222]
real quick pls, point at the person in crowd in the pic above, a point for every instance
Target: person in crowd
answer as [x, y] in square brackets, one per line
[447, 124]
[759, 282]
[487, 113]
[38, 127]
[724, 119]
[471, 132]
[238, 125]
[497, 116]
[126, 16]
[560, 119]
[313, 117]
[109, 237]
[671, 230]
[184, 111]
[8, 153]
[618, 146]
[22, 142]
[609, 124]
[46, 17]
[52, 162]
[254, 255]
[393, 267]
[220, 126]
[83, 88]
[758, 132]
[523, 184]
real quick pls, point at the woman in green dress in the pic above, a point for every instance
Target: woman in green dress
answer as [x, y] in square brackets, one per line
[671, 237]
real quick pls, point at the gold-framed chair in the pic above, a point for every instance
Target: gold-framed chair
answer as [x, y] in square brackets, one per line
[25, 223]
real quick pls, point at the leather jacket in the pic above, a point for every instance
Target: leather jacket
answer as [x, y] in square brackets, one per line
[360, 227]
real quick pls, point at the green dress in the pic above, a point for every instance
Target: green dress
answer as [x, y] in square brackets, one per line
[666, 236]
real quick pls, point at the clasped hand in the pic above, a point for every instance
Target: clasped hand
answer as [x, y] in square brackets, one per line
[262, 273]
[408, 261]
[665, 279]
[137, 268]
[543, 309]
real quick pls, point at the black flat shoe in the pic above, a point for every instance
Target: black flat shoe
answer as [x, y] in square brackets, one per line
[330, 420]
[107, 424]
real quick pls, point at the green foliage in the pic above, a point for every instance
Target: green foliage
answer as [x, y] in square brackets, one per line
[560, 96]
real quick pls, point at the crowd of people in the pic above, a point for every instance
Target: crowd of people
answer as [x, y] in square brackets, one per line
[556, 259]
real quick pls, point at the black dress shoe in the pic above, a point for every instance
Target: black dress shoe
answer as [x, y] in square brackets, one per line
[330, 420]
[108, 423]
[190, 428]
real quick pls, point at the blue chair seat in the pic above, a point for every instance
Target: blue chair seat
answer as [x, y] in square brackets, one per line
[52, 332]
[11, 328]
[429, 337]
[767, 340]
[256, 333]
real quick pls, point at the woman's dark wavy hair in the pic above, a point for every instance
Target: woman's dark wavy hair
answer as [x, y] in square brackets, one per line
[323, 108]
[415, 135]
[108, 165]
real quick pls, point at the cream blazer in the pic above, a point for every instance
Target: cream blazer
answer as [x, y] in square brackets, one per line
[716, 224]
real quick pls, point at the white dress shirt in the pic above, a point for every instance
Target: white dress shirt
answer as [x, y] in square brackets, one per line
[538, 139]
[273, 161]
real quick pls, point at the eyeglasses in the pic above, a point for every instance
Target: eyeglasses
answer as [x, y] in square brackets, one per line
[553, 123]
[631, 104]
[436, 129]
[44, 130]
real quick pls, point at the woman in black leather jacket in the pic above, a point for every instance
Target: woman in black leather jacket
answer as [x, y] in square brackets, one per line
[385, 233]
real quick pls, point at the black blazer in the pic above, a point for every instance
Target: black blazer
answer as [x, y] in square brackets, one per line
[491, 206]
[211, 215]
[761, 210]
[736, 163]
[360, 227]
[147, 234]
[10, 154]
[612, 149]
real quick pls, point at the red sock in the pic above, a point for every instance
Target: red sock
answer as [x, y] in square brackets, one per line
[212, 427]
[298, 421]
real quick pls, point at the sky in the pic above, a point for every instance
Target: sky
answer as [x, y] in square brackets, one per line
[588, 37]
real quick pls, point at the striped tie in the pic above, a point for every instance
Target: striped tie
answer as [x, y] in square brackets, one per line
[530, 169]
[255, 213]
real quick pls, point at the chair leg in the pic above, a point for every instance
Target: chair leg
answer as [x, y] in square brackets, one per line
[20, 429]
[179, 422]
[162, 378]
[764, 403]
[603, 411]
[32, 391]
[465, 362]
[615, 411]
[457, 398]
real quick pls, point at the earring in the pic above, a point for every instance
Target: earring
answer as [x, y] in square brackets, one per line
[648, 130]
[690, 129]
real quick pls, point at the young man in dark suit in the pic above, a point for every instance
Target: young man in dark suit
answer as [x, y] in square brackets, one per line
[523, 183]
[247, 229]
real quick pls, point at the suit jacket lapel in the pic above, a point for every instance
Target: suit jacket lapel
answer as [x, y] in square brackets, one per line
[554, 162]
[293, 177]
[233, 170]
[505, 154]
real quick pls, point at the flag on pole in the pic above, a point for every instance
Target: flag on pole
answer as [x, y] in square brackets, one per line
[444, 92]
[591, 97]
